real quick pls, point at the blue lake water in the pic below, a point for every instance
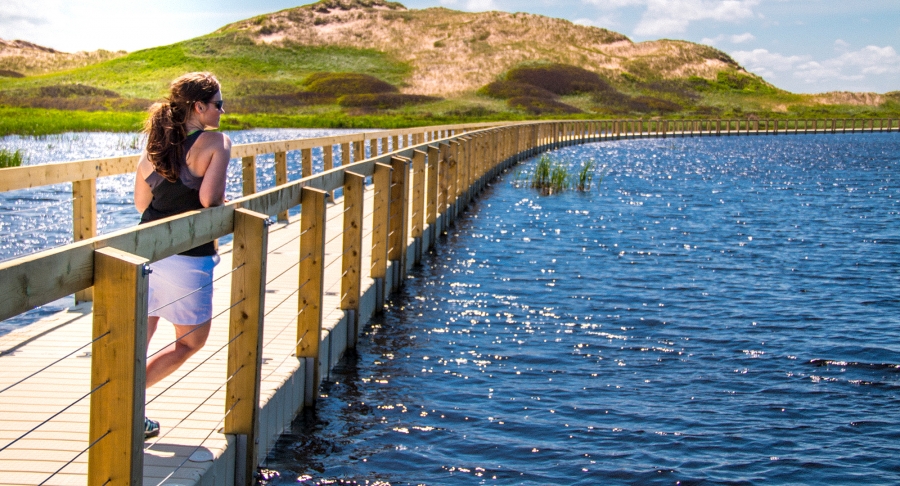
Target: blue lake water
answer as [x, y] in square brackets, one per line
[718, 311]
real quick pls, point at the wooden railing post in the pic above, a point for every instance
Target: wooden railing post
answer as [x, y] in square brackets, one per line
[306, 162]
[443, 184]
[453, 185]
[84, 221]
[312, 279]
[381, 213]
[351, 262]
[248, 292]
[359, 151]
[373, 147]
[281, 177]
[118, 368]
[399, 214]
[346, 156]
[418, 202]
[431, 195]
[248, 173]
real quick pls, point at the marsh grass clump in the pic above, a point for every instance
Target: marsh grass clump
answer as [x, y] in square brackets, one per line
[551, 176]
[10, 158]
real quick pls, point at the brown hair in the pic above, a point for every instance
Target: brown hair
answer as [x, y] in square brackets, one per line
[165, 128]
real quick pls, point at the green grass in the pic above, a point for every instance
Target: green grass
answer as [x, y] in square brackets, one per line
[233, 58]
[37, 121]
[10, 158]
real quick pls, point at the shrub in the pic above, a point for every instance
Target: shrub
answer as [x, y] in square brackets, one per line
[276, 102]
[541, 106]
[505, 90]
[561, 79]
[340, 84]
[383, 100]
[74, 90]
[615, 102]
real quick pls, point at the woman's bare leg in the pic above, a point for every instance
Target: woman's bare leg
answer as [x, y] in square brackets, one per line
[174, 355]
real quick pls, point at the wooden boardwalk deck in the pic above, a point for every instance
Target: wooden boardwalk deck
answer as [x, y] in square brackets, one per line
[190, 404]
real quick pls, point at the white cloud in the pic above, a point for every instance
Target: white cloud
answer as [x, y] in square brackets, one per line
[604, 22]
[841, 45]
[849, 66]
[663, 17]
[741, 38]
[481, 5]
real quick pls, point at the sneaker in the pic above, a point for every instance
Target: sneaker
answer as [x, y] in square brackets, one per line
[151, 428]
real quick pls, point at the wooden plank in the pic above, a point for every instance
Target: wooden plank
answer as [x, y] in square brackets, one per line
[359, 151]
[306, 169]
[281, 178]
[84, 220]
[418, 200]
[381, 203]
[248, 291]
[431, 195]
[346, 156]
[399, 219]
[118, 369]
[248, 174]
[59, 172]
[351, 261]
[312, 275]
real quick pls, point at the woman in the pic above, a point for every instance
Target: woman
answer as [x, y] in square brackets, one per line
[183, 168]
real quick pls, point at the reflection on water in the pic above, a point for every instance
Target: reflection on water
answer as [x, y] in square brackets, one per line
[36, 219]
[720, 311]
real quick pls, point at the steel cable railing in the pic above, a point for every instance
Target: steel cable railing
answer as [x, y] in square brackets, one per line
[40, 207]
[92, 444]
[188, 458]
[57, 414]
[54, 363]
[198, 289]
[34, 230]
[202, 403]
[202, 362]
[292, 353]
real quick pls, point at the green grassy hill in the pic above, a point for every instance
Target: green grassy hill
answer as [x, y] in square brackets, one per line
[441, 66]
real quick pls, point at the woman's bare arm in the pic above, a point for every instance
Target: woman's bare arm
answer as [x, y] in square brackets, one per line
[216, 148]
[142, 193]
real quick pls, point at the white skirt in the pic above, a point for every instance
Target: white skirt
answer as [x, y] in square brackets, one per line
[181, 289]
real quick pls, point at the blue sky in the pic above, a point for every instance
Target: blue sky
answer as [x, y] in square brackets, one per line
[804, 46]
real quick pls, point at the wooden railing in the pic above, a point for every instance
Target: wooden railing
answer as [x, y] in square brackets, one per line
[421, 185]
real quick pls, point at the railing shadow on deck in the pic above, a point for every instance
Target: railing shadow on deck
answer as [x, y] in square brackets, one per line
[429, 175]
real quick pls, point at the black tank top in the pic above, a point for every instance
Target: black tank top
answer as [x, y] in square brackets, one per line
[171, 198]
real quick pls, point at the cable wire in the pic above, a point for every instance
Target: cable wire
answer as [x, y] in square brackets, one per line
[76, 457]
[33, 209]
[198, 290]
[195, 409]
[201, 363]
[54, 416]
[55, 362]
[200, 445]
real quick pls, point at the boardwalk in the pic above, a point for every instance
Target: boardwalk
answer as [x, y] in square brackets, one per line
[46, 368]
[189, 405]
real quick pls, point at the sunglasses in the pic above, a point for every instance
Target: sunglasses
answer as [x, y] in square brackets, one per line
[218, 103]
